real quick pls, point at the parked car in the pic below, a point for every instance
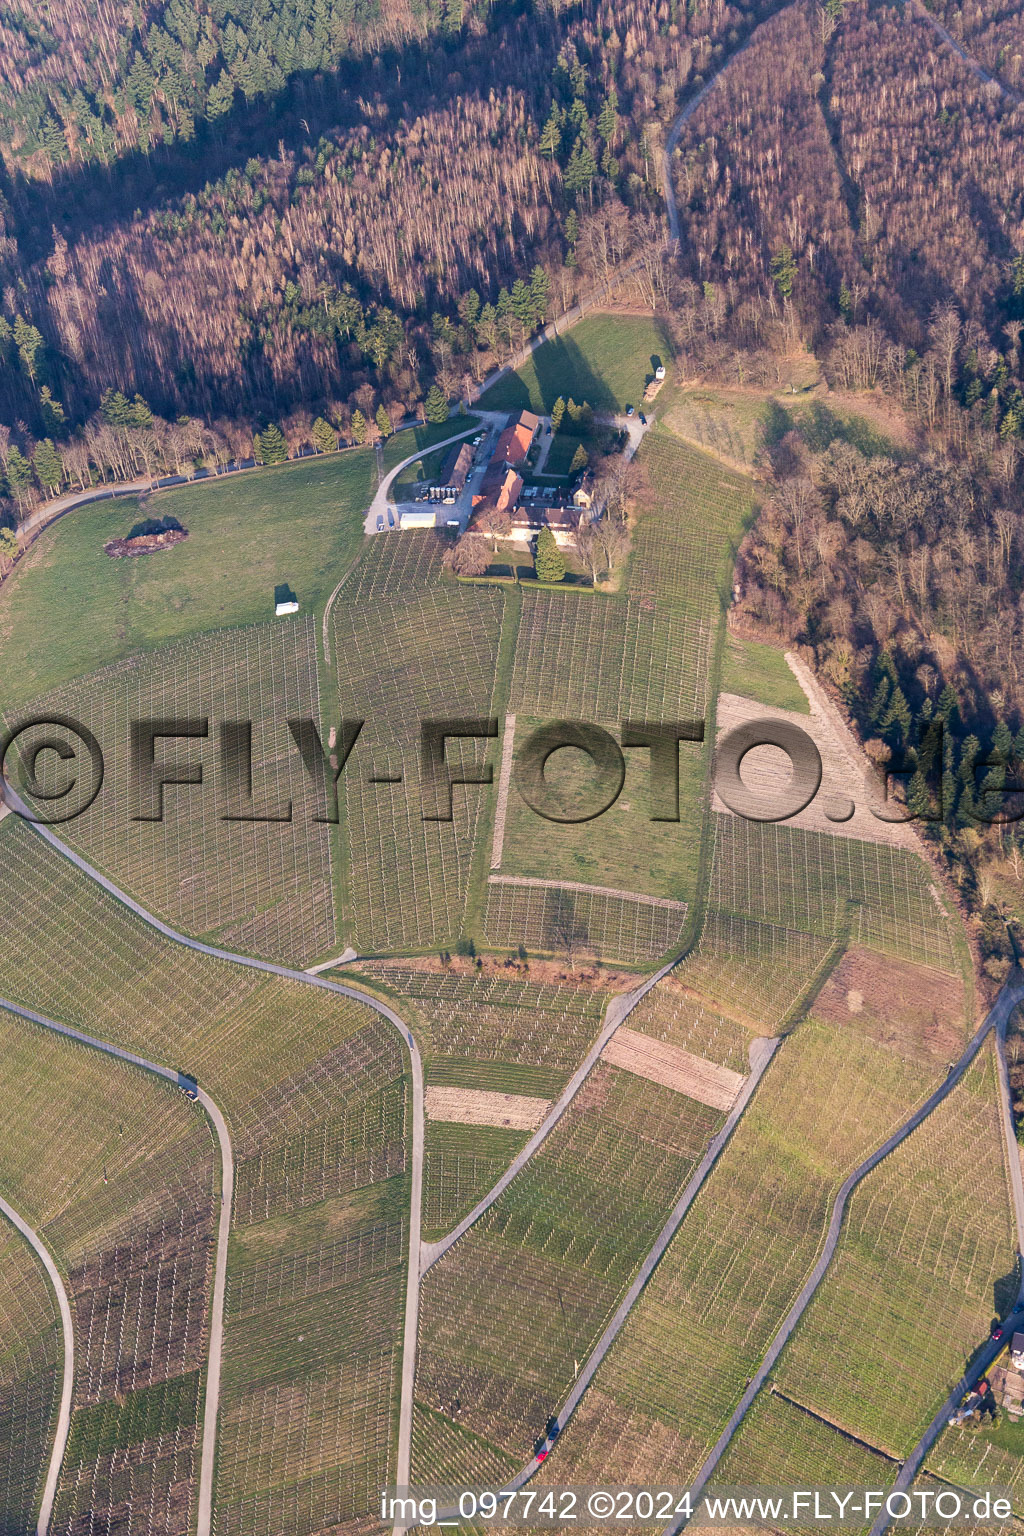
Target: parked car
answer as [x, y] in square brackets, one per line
[391, 518]
[380, 522]
[630, 410]
[643, 419]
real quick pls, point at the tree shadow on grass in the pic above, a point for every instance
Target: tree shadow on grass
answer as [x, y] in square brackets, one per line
[563, 370]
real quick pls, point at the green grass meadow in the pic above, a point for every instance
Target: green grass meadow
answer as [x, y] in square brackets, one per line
[69, 609]
[757, 671]
[605, 359]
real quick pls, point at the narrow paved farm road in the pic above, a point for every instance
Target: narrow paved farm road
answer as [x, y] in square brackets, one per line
[60, 1438]
[668, 190]
[980, 1364]
[1011, 994]
[412, 1295]
[227, 1170]
[618, 1009]
[761, 1053]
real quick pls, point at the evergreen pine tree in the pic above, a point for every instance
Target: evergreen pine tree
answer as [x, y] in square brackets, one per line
[551, 133]
[383, 420]
[271, 447]
[540, 293]
[608, 117]
[919, 801]
[582, 167]
[325, 439]
[49, 466]
[19, 472]
[557, 412]
[436, 406]
[879, 701]
[783, 268]
[897, 714]
[358, 426]
[52, 413]
[947, 704]
[549, 560]
[580, 460]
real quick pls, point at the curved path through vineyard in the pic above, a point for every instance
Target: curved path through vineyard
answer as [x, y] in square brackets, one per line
[227, 1167]
[1008, 999]
[416, 1068]
[981, 1363]
[618, 1009]
[60, 1438]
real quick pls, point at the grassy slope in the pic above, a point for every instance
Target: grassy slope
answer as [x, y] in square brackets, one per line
[760, 672]
[414, 439]
[605, 359]
[738, 424]
[69, 609]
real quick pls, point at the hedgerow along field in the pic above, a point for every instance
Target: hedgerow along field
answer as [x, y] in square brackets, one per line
[605, 360]
[68, 609]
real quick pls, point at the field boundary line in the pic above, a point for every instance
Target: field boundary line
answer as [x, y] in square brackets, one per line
[60, 1442]
[993, 1347]
[504, 784]
[1007, 1000]
[343, 989]
[761, 1053]
[586, 890]
[618, 1009]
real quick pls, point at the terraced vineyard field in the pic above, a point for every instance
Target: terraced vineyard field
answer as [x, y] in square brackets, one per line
[780, 1444]
[927, 1257]
[781, 875]
[262, 887]
[732, 1271]
[30, 1363]
[553, 1256]
[672, 1013]
[313, 1089]
[408, 654]
[647, 655]
[497, 1026]
[124, 1195]
[584, 923]
[755, 971]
